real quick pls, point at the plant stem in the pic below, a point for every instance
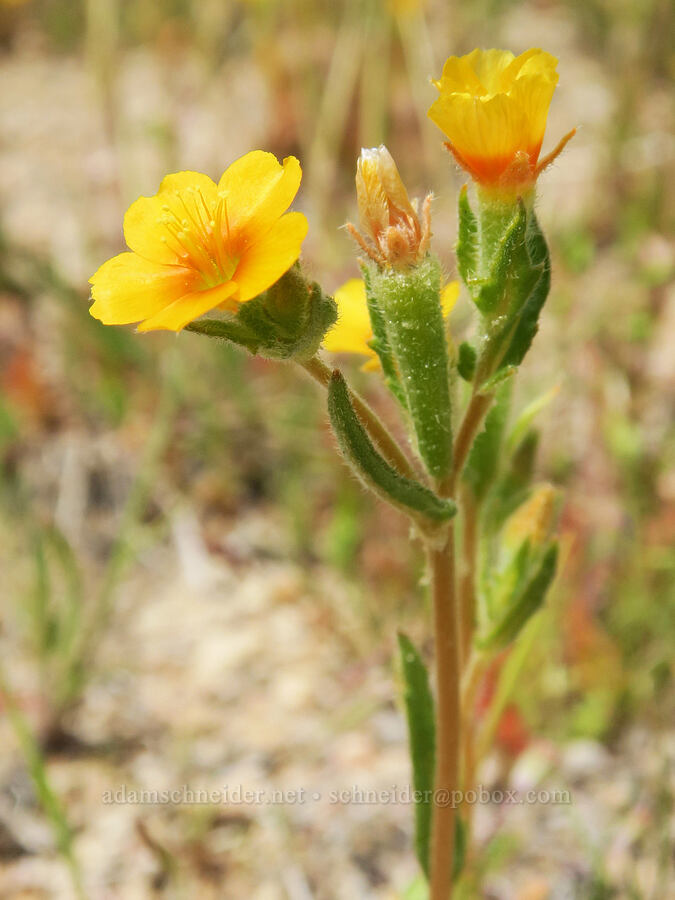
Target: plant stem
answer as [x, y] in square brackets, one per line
[473, 418]
[467, 577]
[453, 626]
[446, 629]
[377, 430]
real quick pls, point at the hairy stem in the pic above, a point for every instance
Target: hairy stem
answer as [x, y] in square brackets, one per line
[377, 430]
[447, 636]
[454, 614]
[468, 429]
[467, 575]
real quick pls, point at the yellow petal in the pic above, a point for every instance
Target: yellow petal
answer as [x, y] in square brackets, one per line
[188, 308]
[182, 196]
[449, 295]
[493, 106]
[266, 260]
[259, 190]
[353, 330]
[128, 288]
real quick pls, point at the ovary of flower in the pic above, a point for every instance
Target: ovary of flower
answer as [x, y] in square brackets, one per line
[493, 108]
[196, 246]
[352, 333]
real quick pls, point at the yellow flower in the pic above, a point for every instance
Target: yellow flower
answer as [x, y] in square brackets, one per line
[493, 107]
[353, 332]
[196, 245]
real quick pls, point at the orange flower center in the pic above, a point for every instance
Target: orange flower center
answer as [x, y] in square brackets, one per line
[200, 236]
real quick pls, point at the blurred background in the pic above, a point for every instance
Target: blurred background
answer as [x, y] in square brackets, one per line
[194, 591]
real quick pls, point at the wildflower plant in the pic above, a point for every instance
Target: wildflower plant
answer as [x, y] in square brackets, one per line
[466, 481]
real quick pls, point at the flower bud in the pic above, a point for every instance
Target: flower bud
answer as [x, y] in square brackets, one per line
[392, 232]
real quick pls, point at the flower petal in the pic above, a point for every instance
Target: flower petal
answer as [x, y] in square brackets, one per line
[183, 195]
[259, 190]
[353, 330]
[188, 308]
[128, 288]
[266, 260]
[493, 107]
[449, 296]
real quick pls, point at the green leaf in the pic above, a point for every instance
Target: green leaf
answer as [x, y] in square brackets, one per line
[527, 323]
[513, 285]
[509, 256]
[527, 416]
[532, 274]
[499, 376]
[466, 361]
[411, 306]
[482, 464]
[380, 342]
[227, 330]
[524, 605]
[466, 251]
[372, 469]
[419, 706]
[511, 488]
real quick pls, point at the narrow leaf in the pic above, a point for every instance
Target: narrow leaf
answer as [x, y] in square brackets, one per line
[380, 342]
[525, 605]
[482, 464]
[510, 255]
[419, 706]
[527, 323]
[527, 416]
[466, 251]
[227, 330]
[371, 468]
[410, 301]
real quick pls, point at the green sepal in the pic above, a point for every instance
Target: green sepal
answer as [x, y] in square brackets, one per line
[525, 602]
[372, 469]
[483, 462]
[466, 249]
[380, 341]
[466, 361]
[409, 300]
[287, 321]
[419, 706]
